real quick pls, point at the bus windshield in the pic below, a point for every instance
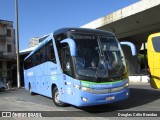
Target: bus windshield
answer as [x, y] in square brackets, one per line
[98, 56]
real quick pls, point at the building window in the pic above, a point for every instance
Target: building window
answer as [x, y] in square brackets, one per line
[8, 33]
[9, 48]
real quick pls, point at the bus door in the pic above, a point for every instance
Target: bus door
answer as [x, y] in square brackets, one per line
[156, 60]
[68, 80]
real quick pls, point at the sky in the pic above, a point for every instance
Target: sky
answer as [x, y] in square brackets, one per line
[40, 17]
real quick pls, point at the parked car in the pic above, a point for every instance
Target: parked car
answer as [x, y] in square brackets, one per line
[3, 86]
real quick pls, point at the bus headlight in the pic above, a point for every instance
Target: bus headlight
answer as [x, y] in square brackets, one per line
[82, 88]
[126, 85]
[84, 99]
[76, 86]
[86, 89]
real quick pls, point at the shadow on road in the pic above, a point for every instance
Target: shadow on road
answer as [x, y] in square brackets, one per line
[9, 91]
[137, 98]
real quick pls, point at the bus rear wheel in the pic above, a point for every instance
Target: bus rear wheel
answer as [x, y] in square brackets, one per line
[55, 97]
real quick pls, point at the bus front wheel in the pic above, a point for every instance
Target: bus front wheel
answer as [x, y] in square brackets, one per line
[55, 97]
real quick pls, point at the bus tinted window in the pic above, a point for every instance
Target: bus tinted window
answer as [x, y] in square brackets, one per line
[50, 52]
[156, 43]
[44, 54]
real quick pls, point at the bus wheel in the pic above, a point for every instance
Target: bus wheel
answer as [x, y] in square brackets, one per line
[55, 97]
[30, 90]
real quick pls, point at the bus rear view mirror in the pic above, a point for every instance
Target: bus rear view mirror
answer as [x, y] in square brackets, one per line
[71, 44]
[131, 45]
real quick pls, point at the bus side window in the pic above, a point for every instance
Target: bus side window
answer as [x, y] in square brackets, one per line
[35, 58]
[43, 52]
[30, 62]
[27, 63]
[66, 61]
[40, 56]
[50, 52]
[52, 55]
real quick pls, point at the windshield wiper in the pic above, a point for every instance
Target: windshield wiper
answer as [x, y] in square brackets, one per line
[100, 60]
[117, 72]
[112, 66]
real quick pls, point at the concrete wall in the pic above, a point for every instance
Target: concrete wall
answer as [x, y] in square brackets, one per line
[122, 13]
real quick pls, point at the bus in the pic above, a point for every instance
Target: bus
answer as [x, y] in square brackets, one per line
[153, 51]
[78, 66]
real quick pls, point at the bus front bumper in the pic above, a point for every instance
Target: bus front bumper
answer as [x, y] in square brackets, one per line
[90, 99]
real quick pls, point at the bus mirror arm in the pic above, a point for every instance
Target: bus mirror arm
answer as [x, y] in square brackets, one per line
[72, 45]
[131, 45]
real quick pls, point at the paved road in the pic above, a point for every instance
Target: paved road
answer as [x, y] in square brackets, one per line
[142, 98]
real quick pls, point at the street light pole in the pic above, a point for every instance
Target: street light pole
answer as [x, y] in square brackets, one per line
[17, 45]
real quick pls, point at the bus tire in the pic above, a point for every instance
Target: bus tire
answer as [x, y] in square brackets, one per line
[30, 90]
[55, 98]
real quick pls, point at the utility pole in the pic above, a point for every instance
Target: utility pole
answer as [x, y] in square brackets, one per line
[17, 45]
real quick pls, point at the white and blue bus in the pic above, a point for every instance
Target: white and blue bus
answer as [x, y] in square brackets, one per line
[78, 66]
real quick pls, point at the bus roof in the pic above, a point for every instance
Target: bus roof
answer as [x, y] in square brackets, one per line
[65, 30]
[49, 36]
[82, 30]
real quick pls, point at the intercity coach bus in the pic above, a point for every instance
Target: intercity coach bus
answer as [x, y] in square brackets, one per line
[78, 66]
[153, 51]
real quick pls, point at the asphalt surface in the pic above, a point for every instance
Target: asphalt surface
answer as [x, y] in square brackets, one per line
[143, 99]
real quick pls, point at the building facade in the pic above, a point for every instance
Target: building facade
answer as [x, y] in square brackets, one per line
[36, 40]
[7, 50]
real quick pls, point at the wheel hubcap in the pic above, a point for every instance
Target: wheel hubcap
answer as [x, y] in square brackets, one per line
[57, 97]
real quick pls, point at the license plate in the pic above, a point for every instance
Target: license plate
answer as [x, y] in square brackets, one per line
[110, 98]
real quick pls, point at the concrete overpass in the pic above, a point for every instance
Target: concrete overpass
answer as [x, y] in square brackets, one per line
[133, 23]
